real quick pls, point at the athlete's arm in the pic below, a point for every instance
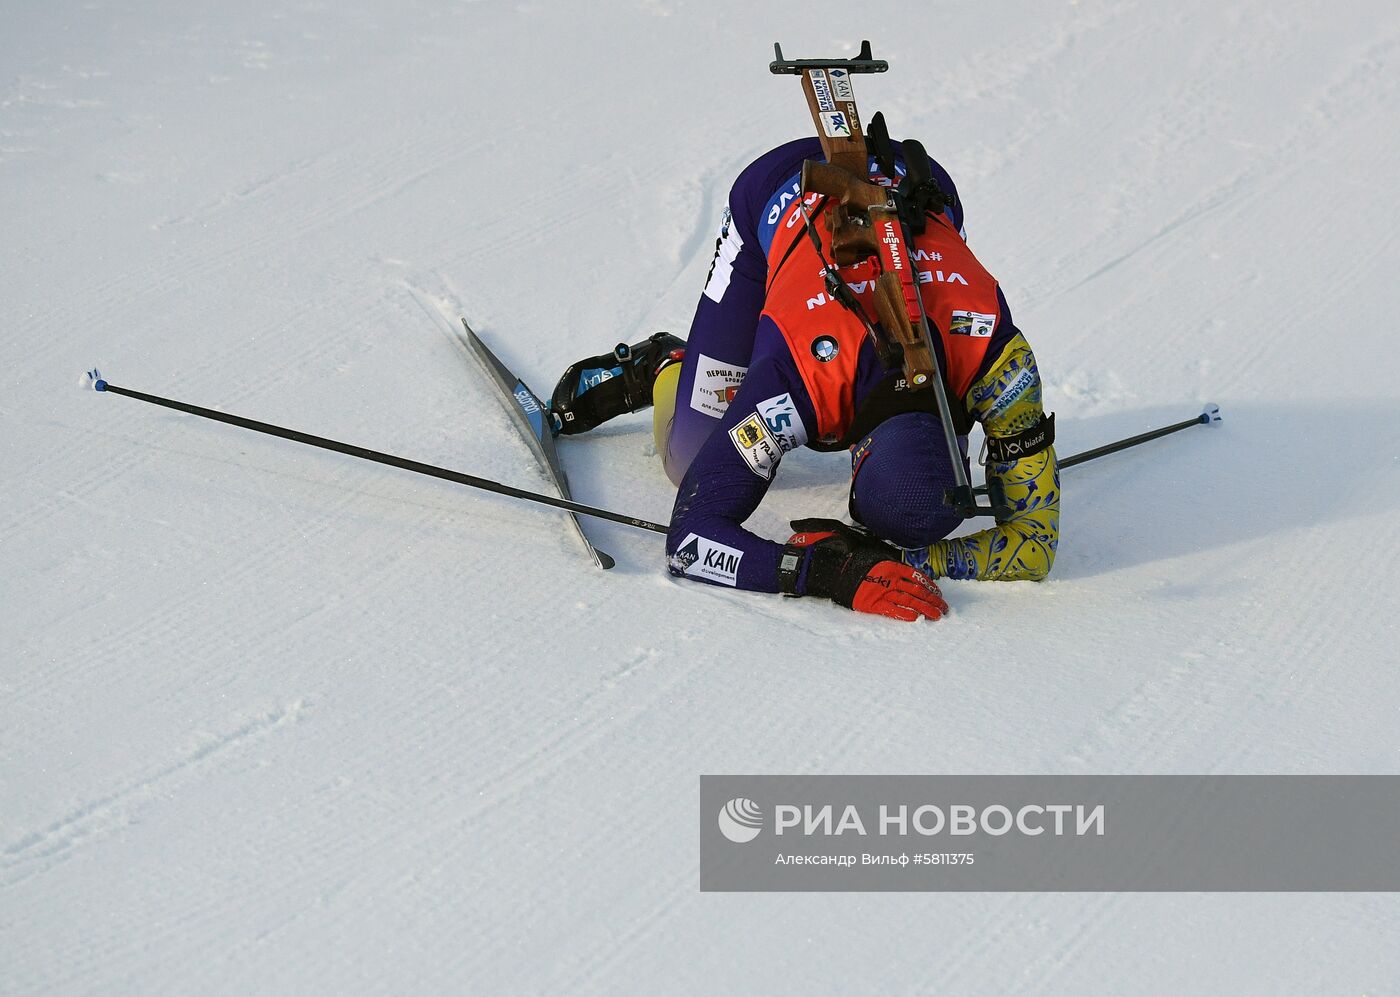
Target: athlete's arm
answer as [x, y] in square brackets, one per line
[707, 541]
[1007, 400]
[725, 483]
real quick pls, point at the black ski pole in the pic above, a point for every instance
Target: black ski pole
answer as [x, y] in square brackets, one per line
[1211, 414]
[470, 480]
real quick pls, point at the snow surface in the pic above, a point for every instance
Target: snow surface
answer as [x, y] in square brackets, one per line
[273, 719]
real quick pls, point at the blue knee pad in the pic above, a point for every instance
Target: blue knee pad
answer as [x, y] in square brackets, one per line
[899, 474]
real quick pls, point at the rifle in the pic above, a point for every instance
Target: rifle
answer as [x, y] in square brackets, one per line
[870, 220]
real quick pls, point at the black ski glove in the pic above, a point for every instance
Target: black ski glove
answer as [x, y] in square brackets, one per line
[850, 567]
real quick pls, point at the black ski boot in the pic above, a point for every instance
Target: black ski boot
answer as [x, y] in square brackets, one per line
[600, 388]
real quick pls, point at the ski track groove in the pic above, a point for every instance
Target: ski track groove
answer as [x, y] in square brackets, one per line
[1098, 910]
[572, 739]
[1312, 669]
[41, 850]
[595, 720]
[166, 275]
[171, 619]
[247, 194]
[171, 434]
[245, 389]
[1287, 159]
[1309, 665]
[1107, 732]
[601, 962]
[1004, 77]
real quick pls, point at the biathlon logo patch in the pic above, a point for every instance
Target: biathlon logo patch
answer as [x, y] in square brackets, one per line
[756, 445]
[780, 416]
[825, 348]
[698, 557]
[978, 325]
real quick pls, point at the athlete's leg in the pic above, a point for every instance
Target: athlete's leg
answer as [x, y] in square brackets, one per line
[717, 356]
[663, 399]
[704, 387]
[899, 474]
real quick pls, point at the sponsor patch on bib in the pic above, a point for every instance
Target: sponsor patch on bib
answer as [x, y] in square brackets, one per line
[716, 384]
[699, 557]
[978, 325]
[756, 445]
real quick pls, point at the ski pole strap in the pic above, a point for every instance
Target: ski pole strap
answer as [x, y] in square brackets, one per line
[1008, 449]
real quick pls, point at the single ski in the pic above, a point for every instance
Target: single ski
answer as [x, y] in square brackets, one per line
[532, 419]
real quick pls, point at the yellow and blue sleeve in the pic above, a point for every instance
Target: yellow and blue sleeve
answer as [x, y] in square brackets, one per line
[1006, 401]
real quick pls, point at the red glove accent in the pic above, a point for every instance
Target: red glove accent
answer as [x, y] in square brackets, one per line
[899, 591]
[809, 538]
[858, 571]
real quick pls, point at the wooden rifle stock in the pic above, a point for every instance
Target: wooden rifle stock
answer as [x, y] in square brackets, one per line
[864, 221]
[847, 187]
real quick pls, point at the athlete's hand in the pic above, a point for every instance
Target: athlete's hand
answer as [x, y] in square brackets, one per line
[860, 572]
[898, 591]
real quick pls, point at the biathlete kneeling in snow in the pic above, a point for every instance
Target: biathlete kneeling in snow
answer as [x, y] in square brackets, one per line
[774, 362]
